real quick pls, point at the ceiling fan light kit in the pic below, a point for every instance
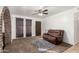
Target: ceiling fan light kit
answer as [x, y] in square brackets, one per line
[40, 14]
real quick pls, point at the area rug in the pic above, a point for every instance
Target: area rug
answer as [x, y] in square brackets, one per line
[40, 43]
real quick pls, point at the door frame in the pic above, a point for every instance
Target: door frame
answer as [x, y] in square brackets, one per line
[35, 28]
[22, 28]
[26, 26]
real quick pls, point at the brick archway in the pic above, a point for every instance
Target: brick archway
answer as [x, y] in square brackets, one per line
[6, 19]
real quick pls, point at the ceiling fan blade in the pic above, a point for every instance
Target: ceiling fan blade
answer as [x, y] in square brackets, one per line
[45, 10]
[45, 13]
[34, 13]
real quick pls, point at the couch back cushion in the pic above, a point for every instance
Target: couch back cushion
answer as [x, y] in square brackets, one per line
[55, 32]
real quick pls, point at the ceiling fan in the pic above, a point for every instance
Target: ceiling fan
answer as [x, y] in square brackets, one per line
[41, 12]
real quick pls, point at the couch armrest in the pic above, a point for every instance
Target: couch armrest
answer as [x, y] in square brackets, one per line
[45, 34]
[59, 38]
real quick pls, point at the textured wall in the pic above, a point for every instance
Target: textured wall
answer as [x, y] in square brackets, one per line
[7, 25]
[1, 41]
[5, 15]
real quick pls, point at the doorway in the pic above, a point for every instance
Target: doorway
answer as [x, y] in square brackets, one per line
[19, 27]
[28, 27]
[38, 28]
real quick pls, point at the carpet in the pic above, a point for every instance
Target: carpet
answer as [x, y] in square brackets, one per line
[43, 44]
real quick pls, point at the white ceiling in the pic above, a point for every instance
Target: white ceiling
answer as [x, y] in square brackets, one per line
[29, 10]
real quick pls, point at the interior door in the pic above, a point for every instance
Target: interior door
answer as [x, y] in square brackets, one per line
[28, 27]
[38, 28]
[19, 27]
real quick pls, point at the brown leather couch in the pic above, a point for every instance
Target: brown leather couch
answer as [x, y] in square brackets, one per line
[54, 36]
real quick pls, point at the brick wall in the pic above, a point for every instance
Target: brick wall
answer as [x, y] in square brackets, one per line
[7, 25]
[1, 41]
[5, 15]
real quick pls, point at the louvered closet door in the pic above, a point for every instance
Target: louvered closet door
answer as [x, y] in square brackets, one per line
[28, 27]
[19, 27]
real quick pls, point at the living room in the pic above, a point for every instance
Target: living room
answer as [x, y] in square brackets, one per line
[47, 18]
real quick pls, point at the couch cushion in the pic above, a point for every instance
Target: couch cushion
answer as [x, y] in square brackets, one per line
[53, 31]
[54, 34]
[51, 38]
[45, 36]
